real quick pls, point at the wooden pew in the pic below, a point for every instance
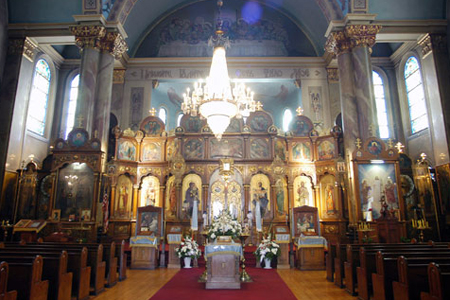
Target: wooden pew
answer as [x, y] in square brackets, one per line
[339, 265]
[387, 272]
[26, 278]
[122, 264]
[54, 270]
[4, 293]
[95, 260]
[413, 276]
[111, 258]
[352, 259]
[368, 263]
[77, 264]
[329, 262]
[439, 283]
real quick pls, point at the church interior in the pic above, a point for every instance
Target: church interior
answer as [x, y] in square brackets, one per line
[164, 149]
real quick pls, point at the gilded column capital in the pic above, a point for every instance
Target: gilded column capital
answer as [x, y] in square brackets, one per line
[28, 49]
[113, 43]
[338, 43]
[363, 35]
[433, 42]
[88, 36]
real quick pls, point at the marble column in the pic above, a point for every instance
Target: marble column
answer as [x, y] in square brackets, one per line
[87, 38]
[112, 46]
[436, 70]
[8, 90]
[351, 46]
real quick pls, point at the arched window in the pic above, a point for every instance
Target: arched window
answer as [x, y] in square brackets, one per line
[162, 114]
[380, 101]
[416, 97]
[37, 110]
[287, 118]
[180, 115]
[72, 104]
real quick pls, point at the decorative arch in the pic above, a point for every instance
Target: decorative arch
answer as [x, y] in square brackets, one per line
[303, 191]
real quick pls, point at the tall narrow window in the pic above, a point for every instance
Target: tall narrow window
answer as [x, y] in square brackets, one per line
[380, 101]
[72, 105]
[416, 97]
[162, 114]
[287, 118]
[179, 119]
[37, 111]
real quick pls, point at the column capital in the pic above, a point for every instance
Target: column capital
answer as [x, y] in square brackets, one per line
[88, 36]
[363, 35]
[114, 44]
[338, 42]
[332, 75]
[433, 42]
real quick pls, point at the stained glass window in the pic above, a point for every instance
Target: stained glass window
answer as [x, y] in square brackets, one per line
[380, 102]
[162, 114]
[37, 110]
[72, 105]
[287, 118]
[416, 97]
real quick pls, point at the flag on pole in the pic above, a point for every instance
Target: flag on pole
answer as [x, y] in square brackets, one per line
[105, 209]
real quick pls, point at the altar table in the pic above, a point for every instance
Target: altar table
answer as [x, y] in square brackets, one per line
[222, 261]
[311, 252]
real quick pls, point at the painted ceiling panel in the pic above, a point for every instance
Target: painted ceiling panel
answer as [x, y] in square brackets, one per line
[253, 29]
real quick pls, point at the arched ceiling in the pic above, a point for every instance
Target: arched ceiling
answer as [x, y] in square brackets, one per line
[139, 17]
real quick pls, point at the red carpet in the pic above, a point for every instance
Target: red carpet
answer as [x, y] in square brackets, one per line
[266, 285]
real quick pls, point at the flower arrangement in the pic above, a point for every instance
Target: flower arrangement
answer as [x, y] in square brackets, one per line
[224, 224]
[188, 248]
[267, 249]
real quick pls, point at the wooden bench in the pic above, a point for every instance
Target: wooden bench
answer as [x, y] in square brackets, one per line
[77, 264]
[339, 265]
[94, 260]
[352, 259]
[4, 293]
[367, 263]
[54, 270]
[439, 283]
[120, 252]
[329, 262]
[25, 277]
[387, 272]
[413, 276]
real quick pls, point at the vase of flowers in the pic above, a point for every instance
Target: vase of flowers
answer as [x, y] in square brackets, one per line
[188, 250]
[224, 225]
[267, 250]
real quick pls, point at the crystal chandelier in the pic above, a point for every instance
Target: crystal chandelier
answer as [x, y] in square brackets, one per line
[214, 98]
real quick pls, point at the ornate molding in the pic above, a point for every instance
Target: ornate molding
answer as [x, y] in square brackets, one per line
[28, 49]
[333, 75]
[338, 43]
[88, 36]
[119, 76]
[114, 44]
[363, 35]
[433, 42]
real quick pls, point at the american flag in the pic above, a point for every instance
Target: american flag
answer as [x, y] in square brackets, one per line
[105, 209]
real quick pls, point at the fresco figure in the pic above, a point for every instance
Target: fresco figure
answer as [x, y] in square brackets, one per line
[190, 196]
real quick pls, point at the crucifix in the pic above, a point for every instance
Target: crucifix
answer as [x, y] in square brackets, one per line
[152, 112]
[299, 111]
[358, 143]
[399, 147]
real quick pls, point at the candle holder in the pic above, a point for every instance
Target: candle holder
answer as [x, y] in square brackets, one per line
[244, 275]
[420, 225]
[364, 227]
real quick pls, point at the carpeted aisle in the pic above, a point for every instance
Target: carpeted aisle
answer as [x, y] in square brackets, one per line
[266, 284]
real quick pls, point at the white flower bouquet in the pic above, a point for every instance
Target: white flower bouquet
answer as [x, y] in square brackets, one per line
[224, 224]
[267, 249]
[188, 248]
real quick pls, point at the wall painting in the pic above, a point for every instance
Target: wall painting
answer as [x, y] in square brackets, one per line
[303, 192]
[149, 192]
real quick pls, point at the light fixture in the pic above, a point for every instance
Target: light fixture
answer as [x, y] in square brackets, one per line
[214, 99]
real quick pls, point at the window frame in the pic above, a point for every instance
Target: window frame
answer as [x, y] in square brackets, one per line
[283, 116]
[387, 102]
[425, 96]
[68, 90]
[166, 122]
[50, 98]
